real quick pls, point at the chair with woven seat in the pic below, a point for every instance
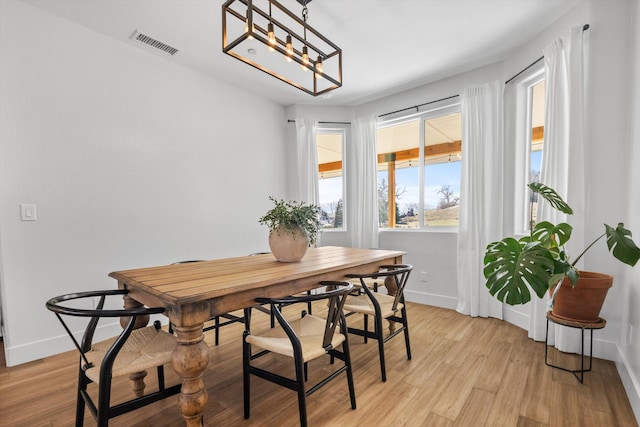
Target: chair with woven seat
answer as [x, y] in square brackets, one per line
[381, 306]
[133, 351]
[304, 339]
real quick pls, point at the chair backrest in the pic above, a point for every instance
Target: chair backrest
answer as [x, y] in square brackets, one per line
[335, 292]
[399, 273]
[56, 306]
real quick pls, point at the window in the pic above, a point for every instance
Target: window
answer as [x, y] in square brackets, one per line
[536, 109]
[419, 169]
[330, 145]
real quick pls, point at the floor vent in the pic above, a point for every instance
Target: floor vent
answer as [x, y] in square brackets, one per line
[151, 42]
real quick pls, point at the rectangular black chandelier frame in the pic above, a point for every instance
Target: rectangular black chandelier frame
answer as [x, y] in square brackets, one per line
[256, 32]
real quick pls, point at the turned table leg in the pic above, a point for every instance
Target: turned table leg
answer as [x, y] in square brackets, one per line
[190, 359]
[137, 378]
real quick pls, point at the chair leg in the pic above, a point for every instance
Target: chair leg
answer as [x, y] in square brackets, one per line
[366, 327]
[246, 382]
[82, 386]
[347, 362]
[104, 398]
[217, 328]
[406, 333]
[380, 338]
[161, 377]
[302, 397]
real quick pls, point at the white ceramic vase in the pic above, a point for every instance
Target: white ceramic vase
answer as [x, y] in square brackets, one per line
[287, 246]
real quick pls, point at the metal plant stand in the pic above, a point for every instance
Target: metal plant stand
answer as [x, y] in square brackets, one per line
[590, 326]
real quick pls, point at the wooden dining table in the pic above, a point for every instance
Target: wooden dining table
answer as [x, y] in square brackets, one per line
[193, 293]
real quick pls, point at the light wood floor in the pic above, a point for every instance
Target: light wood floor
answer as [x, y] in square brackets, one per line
[465, 372]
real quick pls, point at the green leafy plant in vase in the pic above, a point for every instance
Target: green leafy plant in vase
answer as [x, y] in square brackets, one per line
[293, 227]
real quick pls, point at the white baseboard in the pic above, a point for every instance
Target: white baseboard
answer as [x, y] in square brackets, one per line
[631, 383]
[16, 355]
[431, 299]
[515, 317]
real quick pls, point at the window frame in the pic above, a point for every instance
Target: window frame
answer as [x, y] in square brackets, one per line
[524, 107]
[343, 130]
[437, 109]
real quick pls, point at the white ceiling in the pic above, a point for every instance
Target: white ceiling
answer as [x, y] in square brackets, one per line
[388, 45]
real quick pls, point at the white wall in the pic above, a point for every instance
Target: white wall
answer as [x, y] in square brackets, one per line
[131, 161]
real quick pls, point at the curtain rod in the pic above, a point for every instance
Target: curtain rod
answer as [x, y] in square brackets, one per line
[419, 105]
[325, 123]
[584, 28]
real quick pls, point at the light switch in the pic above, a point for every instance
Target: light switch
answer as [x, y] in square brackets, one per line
[28, 212]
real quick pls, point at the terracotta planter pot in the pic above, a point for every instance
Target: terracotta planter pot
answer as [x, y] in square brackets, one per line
[583, 302]
[288, 247]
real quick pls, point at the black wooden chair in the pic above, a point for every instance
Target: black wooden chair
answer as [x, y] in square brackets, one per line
[381, 306]
[304, 339]
[133, 351]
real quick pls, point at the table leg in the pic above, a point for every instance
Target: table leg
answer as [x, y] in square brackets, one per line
[137, 378]
[190, 359]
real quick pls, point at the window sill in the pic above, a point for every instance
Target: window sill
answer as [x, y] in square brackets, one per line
[452, 230]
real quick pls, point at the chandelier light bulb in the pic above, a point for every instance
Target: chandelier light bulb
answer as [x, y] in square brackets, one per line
[305, 58]
[319, 67]
[289, 49]
[271, 37]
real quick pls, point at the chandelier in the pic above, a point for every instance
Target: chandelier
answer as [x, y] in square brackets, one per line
[276, 41]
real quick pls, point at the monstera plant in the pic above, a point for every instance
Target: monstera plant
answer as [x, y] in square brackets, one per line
[538, 262]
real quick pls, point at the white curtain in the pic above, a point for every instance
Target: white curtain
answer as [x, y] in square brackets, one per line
[563, 160]
[364, 215]
[307, 163]
[481, 195]
[307, 160]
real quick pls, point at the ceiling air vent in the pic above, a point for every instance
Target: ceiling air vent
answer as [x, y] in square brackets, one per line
[155, 44]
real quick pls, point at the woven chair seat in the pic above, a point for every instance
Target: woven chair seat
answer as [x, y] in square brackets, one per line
[309, 329]
[145, 349]
[371, 283]
[362, 304]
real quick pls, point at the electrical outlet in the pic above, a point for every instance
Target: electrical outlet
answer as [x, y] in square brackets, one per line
[423, 276]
